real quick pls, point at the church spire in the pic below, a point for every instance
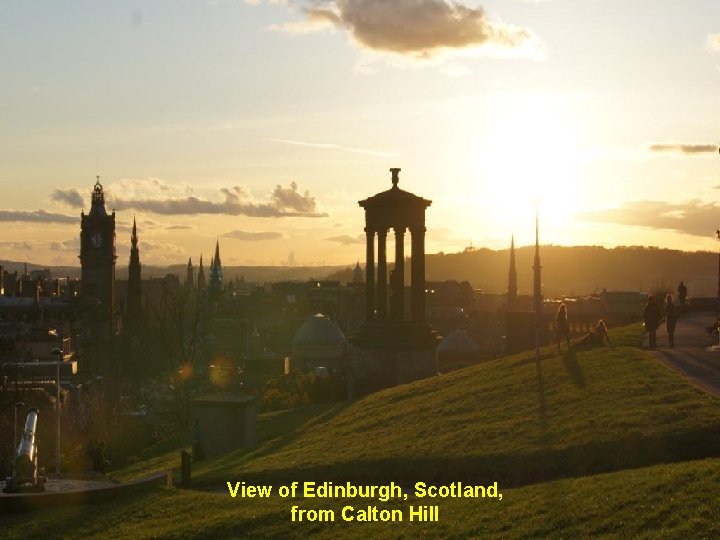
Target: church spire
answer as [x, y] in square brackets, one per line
[201, 276]
[512, 276]
[537, 283]
[216, 276]
[134, 286]
[217, 253]
[190, 276]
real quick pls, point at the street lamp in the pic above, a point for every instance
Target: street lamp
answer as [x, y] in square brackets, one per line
[718, 236]
[59, 353]
[18, 405]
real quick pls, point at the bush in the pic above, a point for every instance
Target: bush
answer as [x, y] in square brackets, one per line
[298, 388]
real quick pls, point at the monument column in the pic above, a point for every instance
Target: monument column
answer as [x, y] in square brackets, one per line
[382, 275]
[399, 272]
[370, 275]
[418, 274]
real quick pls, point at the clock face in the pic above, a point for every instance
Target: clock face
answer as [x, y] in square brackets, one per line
[96, 240]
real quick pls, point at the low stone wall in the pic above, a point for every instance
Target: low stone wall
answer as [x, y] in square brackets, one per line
[376, 368]
[77, 492]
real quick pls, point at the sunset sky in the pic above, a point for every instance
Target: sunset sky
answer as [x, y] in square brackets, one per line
[263, 123]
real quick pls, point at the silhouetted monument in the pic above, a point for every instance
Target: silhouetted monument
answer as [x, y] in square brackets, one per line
[389, 348]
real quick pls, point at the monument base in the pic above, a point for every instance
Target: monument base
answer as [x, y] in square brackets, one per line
[385, 354]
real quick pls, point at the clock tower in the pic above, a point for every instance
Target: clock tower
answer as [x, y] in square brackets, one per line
[97, 256]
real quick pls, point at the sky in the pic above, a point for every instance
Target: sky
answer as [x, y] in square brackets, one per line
[262, 123]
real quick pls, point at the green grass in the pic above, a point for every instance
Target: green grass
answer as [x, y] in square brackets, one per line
[603, 442]
[508, 420]
[662, 501]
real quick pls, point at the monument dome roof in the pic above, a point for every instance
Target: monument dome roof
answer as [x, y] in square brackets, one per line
[318, 330]
[458, 341]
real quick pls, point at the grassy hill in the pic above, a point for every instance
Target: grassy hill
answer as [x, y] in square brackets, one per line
[599, 442]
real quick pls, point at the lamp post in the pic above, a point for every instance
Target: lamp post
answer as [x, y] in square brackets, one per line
[18, 405]
[59, 353]
[718, 292]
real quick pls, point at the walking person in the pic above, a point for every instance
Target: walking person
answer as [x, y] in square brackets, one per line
[670, 320]
[561, 326]
[682, 295]
[651, 317]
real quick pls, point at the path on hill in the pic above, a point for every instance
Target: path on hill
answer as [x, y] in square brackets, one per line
[690, 357]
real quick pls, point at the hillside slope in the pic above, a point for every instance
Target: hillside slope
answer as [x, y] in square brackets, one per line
[509, 421]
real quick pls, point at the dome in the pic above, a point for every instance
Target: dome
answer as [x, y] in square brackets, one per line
[318, 330]
[458, 341]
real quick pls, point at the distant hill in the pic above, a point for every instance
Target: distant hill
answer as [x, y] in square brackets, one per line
[575, 270]
[565, 270]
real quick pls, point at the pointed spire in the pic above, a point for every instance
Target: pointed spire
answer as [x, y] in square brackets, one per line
[190, 276]
[216, 276]
[512, 276]
[134, 286]
[133, 236]
[537, 283]
[217, 253]
[201, 276]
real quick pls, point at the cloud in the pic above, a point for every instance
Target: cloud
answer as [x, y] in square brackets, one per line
[73, 244]
[713, 42]
[179, 227]
[692, 217]
[282, 202]
[332, 146]
[253, 236]
[37, 216]
[346, 239]
[165, 248]
[22, 246]
[71, 197]
[416, 28]
[685, 148]
[316, 20]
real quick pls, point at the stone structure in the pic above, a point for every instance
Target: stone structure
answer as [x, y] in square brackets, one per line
[320, 346]
[457, 350]
[391, 348]
[97, 258]
[224, 422]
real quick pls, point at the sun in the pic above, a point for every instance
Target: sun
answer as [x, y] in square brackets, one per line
[528, 154]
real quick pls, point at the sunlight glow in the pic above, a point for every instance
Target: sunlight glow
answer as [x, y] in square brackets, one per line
[530, 153]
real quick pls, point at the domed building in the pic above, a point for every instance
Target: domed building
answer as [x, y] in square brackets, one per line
[457, 350]
[318, 345]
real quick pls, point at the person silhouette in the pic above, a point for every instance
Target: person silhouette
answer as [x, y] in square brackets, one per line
[682, 295]
[561, 326]
[670, 320]
[651, 317]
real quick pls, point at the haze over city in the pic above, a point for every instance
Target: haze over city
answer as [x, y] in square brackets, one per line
[264, 122]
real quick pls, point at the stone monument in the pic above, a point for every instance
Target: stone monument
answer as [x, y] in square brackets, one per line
[393, 345]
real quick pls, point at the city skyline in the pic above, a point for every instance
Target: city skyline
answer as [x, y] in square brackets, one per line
[263, 123]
